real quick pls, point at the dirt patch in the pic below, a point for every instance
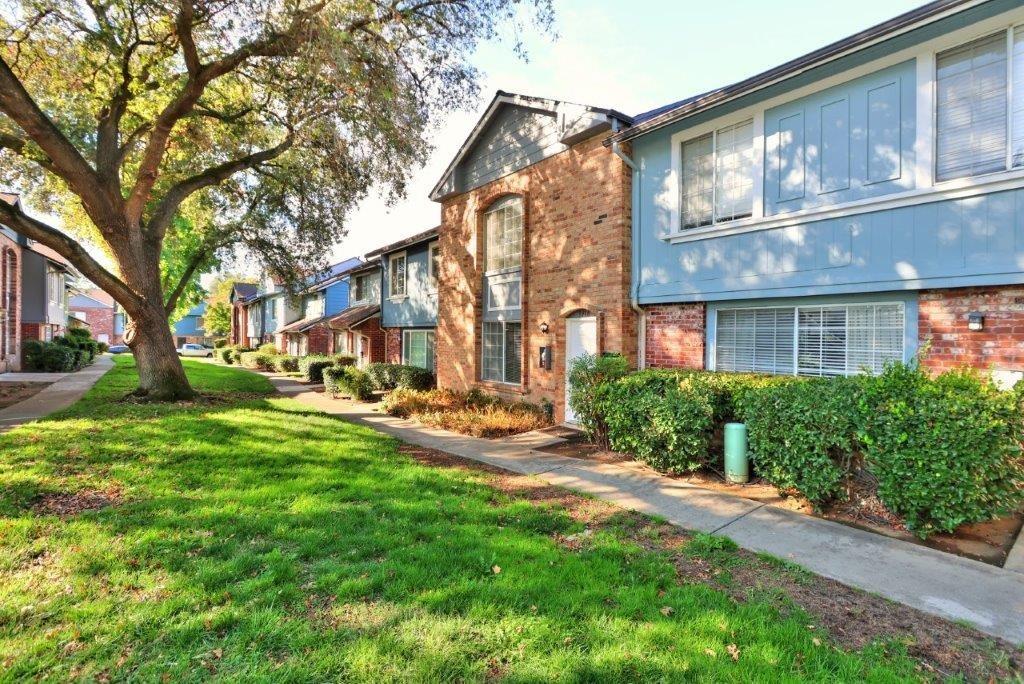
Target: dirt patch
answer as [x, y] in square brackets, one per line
[846, 617]
[67, 504]
[12, 393]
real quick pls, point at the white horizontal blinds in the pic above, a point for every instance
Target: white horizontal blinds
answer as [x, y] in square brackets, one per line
[824, 340]
[513, 352]
[734, 180]
[504, 226]
[971, 108]
[493, 352]
[755, 340]
[1017, 98]
[698, 189]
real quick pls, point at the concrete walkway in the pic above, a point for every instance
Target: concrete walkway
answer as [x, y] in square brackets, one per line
[68, 388]
[990, 598]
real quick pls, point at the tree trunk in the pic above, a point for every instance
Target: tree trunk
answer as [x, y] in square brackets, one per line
[161, 375]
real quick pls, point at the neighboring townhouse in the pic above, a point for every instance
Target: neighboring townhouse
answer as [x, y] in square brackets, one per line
[240, 294]
[46, 279]
[357, 330]
[409, 296]
[855, 206]
[191, 329]
[10, 295]
[104, 316]
[325, 298]
[534, 250]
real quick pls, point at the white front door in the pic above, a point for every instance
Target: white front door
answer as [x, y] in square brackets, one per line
[580, 339]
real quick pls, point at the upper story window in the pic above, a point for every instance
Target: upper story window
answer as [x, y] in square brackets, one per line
[397, 275]
[717, 176]
[434, 265]
[979, 100]
[359, 291]
[503, 224]
[55, 287]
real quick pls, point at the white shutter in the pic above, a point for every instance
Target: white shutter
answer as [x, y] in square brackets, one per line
[971, 108]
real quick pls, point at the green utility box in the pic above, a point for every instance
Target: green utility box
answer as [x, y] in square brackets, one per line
[737, 465]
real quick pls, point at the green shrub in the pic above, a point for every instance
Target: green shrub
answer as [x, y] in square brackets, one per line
[661, 419]
[236, 354]
[220, 344]
[945, 450]
[344, 360]
[79, 334]
[32, 355]
[227, 355]
[802, 433]
[590, 376]
[286, 364]
[102, 347]
[268, 348]
[347, 380]
[390, 376]
[58, 358]
[312, 366]
[256, 360]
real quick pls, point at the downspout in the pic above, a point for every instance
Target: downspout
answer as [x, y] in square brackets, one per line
[634, 288]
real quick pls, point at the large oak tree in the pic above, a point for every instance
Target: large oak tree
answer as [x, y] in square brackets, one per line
[169, 131]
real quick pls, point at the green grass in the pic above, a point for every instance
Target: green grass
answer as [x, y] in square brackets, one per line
[259, 540]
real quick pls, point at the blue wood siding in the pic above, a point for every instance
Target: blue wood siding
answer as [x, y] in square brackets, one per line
[336, 298]
[850, 142]
[419, 308]
[189, 324]
[516, 138]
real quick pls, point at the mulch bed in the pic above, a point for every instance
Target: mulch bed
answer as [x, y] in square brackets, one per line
[849, 618]
[12, 393]
[67, 504]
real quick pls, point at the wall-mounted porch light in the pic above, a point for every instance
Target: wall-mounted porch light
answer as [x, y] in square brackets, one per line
[975, 321]
[544, 327]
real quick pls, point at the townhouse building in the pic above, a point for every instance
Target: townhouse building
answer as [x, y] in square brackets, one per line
[104, 316]
[191, 328]
[46, 282]
[409, 298]
[321, 301]
[534, 249]
[10, 296]
[240, 294]
[858, 205]
[357, 330]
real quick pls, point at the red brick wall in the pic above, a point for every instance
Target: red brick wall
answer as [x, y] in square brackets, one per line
[576, 256]
[675, 335]
[371, 329]
[10, 301]
[239, 323]
[100, 320]
[393, 345]
[947, 343]
[319, 339]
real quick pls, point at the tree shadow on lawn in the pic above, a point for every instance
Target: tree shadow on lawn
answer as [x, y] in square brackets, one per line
[264, 540]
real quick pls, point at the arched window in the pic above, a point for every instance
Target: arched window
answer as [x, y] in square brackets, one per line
[502, 340]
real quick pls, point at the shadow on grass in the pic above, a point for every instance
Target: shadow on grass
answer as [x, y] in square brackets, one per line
[262, 540]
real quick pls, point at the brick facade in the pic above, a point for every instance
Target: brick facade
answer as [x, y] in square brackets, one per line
[10, 305]
[101, 322]
[675, 335]
[946, 341]
[239, 324]
[371, 330]
[392, 345]
[319, 339]
[576, 257]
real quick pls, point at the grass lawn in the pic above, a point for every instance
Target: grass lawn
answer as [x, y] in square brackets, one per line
[248, 537]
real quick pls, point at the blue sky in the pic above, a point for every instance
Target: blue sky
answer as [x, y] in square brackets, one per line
[630, 56]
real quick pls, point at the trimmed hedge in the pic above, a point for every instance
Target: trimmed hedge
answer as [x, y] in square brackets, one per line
[286, 364]
[390, 376]
[312, 366]
[589, 378]
[63, 354]
[226, 355]
[347, 380]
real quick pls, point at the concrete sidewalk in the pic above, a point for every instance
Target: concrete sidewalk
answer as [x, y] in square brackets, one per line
[68, 388]
[990, 598]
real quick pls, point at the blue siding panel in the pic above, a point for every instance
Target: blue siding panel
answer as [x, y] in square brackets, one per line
[336, 298]
[419, 308]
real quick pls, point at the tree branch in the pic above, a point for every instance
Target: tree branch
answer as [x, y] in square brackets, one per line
[168, 206]
[201, 255]
[18, 221]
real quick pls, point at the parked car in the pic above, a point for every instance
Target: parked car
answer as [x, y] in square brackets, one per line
[195, 350]
[119, 349]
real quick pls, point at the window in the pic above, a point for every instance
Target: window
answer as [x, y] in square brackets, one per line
[55, 287]
[359, 292]
[434, 265]
[810, 340]
[396, 275]
[503, 224]
[80, 315]
[717, 176]
[418, 348]
[502, 352]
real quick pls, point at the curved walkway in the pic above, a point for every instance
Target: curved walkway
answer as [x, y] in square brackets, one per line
[990, 598]
[67, 389]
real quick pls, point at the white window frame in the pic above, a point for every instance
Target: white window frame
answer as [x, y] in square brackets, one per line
[392, 258]
[406, 334]
[359, 287]
[504, 353]
[498, 280]
[496, 206]
[431, 270]
[926, 188]
[757, 166]
[712, 323]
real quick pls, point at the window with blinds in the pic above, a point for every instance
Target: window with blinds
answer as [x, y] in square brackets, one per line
[501, 351]
[418, 348]
[810, 340]
[717, 176]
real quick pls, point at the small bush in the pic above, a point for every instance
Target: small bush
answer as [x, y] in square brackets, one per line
[247, 359]
[945, 450]
[220, 344]
[286, 364]
[390, 376]
[312, 366]
[269, 348]
[58, 358]
[227, 355]
[236, 354]
[347, 380]
[803, 434]
[102, 347]
[589, 379]
[662, 419]
[344, 360]
[466, 412]
[32, 355]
